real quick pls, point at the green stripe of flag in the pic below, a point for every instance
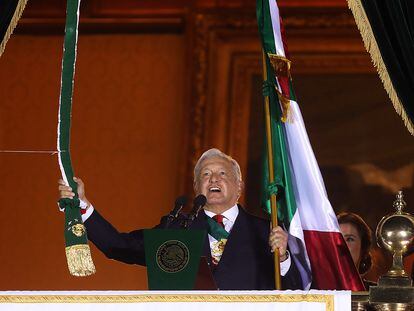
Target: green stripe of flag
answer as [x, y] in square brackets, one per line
[283, 183]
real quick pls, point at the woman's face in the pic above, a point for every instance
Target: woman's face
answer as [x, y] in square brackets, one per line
[353, 240]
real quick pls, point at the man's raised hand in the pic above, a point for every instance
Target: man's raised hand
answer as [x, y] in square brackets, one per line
[65, 191]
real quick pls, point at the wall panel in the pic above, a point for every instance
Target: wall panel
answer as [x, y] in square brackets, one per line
[127, 138]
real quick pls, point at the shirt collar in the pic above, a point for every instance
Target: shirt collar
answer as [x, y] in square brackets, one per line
[230, 214]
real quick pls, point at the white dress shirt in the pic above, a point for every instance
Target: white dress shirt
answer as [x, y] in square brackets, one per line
[88, 212]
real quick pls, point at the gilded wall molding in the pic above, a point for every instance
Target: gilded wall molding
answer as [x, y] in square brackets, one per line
[314, 56]
[338, 19]
[207, 28]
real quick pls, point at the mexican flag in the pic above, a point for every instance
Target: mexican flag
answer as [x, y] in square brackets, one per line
[315, 241]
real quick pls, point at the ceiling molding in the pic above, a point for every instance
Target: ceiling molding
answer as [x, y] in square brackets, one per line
[154, 16]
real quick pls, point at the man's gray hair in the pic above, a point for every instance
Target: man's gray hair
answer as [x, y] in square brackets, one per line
[216, 153]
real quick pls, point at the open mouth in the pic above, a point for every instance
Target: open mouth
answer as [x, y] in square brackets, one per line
[214, 189]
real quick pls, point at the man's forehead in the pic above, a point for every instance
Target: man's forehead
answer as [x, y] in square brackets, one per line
[216, 161]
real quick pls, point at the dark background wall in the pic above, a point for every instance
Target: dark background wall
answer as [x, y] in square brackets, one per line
[156, 84]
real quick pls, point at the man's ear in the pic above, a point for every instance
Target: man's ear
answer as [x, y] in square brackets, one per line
[195, 187]
[241, 187]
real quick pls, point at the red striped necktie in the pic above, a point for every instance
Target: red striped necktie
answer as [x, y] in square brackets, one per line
[219, 219]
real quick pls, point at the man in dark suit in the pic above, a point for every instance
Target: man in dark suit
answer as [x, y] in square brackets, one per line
[240, 256]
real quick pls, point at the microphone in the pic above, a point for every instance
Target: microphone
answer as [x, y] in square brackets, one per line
[198, 203]
[178, 205]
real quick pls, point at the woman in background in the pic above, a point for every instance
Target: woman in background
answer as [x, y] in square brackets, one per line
[358, 237]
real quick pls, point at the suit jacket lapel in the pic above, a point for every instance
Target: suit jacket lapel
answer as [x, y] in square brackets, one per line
[238, 237]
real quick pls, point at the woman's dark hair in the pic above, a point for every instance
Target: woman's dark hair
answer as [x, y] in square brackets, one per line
[365, 233]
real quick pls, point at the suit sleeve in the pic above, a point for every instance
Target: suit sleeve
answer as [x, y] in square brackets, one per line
[292, 279]
[125, 247]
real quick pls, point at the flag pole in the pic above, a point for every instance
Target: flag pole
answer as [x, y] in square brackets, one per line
[273, 204]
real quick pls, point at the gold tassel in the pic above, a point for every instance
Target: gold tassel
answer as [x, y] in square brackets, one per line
[16, 16]
[371, 45]
[80, 260]
[281, 65]
[286, 109]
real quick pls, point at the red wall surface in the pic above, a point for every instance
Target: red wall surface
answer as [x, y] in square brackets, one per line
[127, 142]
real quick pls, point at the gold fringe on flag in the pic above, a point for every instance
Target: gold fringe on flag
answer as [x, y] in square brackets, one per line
[371, 46]
[16, 17]
[281, 65]
[286, 109]
[80, 260]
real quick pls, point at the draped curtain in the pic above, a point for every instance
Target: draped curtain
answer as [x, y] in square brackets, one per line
[387, 29]
[10, 13]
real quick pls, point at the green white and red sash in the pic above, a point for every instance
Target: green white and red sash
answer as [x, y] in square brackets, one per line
[77, 249]
[315, 241]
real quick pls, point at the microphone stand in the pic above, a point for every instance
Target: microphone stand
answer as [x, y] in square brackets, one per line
[198, 203]
[179, 204]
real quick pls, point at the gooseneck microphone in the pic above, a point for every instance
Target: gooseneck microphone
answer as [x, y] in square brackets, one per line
[178, 206]
[198, 203]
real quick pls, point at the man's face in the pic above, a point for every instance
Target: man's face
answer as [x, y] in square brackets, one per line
[218, 182]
